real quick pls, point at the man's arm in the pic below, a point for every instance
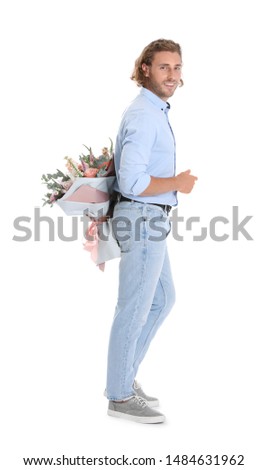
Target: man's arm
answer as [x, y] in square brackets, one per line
[184, 183]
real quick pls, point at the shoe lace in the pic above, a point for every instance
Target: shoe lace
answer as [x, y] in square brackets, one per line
[140, 401]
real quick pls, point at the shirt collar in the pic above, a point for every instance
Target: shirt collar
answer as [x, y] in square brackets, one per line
[158, 102]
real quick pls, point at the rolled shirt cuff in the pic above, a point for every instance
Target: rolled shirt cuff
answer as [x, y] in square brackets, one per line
[141, 184]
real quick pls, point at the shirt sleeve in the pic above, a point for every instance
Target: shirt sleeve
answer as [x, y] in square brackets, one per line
[138, 138]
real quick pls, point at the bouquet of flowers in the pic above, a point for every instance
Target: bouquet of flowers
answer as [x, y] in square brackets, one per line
[85, 189]
[80, 174]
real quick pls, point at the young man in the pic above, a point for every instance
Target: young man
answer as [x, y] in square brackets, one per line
[147, 189]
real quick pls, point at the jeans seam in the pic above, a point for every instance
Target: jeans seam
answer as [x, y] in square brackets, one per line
[155, 322]
[141, 284]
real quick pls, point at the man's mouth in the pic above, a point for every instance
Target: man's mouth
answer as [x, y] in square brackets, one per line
[170, 84]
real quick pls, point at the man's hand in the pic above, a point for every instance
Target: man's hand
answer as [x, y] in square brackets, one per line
[185, 181]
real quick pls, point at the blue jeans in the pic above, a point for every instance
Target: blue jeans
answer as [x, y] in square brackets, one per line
[146, 291]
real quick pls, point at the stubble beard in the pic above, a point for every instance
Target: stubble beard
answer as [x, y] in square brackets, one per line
[160, 90]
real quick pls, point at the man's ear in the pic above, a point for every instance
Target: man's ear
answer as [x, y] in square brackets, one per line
[145, 69]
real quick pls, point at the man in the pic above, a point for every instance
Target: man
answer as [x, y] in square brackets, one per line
[147, 189]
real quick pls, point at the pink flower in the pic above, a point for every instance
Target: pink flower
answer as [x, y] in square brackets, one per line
[53, 197]
[91, 172]
[72, 166]
[83, 166]
[67, 184]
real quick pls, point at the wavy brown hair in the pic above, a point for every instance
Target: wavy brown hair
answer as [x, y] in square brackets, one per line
[147, 57]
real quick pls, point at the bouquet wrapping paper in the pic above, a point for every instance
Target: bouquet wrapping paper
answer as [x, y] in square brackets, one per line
[77, 202]
[100, 242]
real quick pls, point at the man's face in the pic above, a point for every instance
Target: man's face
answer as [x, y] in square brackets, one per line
[163, 75]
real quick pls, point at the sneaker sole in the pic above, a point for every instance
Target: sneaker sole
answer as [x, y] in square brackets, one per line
[137, 419]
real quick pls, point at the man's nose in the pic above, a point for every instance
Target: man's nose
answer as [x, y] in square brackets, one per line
[171, 74]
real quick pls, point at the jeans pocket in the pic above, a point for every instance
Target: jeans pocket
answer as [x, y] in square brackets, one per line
[159, 227]
[122, 230]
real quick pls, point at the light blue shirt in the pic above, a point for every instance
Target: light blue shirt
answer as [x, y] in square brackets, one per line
[145, 147]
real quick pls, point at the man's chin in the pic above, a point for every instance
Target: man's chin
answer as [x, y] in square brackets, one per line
[169, 94]
[169, 91]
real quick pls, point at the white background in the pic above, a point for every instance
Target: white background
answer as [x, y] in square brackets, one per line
[65, 68]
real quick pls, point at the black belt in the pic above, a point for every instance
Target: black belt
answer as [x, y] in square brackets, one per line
[165, 207]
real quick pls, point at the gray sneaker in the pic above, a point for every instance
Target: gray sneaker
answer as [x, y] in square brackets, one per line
[135, 409]
[152, 401]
